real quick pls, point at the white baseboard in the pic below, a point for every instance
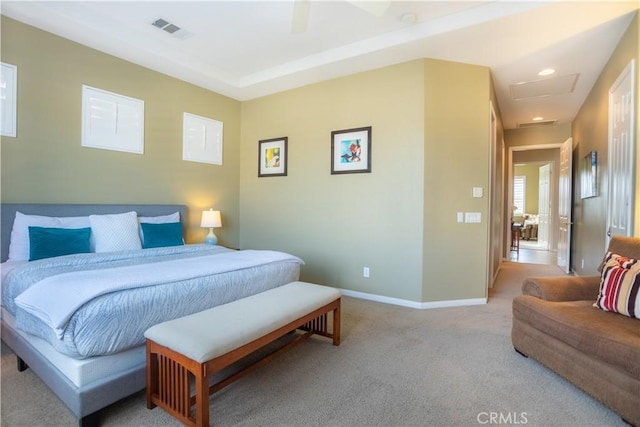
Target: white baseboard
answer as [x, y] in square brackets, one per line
[414, 304]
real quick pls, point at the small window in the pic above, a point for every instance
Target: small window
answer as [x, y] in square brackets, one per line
[111, 121]
[519, 194]
[8, 90]
[201, 139]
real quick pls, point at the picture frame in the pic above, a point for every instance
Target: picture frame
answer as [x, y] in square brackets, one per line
[272, 157]
[589, 175]
[351, 151]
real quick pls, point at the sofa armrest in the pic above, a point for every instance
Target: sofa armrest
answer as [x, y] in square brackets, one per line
[562, 288]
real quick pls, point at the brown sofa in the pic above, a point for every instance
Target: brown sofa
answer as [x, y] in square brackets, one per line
[555, 323]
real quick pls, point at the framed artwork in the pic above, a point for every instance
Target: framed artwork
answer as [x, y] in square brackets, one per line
[588, 175]
[351, 150]
[272, 157]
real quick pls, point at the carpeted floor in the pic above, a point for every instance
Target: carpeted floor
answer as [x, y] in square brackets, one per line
[395, 367]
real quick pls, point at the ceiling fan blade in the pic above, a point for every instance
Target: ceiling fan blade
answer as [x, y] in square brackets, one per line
[300, 18]
[374, 7]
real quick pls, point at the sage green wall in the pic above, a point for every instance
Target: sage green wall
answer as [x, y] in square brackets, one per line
[456, 159]
[590, 132]
[46, 164]
[534, 137]
[341, 223]
[399, 220]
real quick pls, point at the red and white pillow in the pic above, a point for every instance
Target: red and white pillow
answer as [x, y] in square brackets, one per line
[620, 286]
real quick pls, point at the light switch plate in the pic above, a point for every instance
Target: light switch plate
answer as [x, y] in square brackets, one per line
[477, 192]
[473, 217]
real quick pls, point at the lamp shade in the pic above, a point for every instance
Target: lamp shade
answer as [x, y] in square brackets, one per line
[211, 219]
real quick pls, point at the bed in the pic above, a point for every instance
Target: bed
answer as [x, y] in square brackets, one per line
[88, 346]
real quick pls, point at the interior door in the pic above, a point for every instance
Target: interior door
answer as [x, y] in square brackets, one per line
[544, 186]
[564, 205]
[620, 199]
[495, 196]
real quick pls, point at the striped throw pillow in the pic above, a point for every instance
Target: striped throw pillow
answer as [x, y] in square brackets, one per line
[620, 286]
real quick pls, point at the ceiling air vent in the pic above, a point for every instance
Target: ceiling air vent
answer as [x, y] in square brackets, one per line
[170, 28]
[160, 23]
[539, 123]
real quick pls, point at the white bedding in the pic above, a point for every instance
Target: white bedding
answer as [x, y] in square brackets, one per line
[115, 321]
[56, 298]
[7, 266]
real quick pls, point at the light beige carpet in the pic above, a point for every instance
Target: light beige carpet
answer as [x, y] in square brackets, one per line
[396, 367]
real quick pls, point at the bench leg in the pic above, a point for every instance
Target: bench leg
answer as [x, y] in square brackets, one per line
[336, 324]
[202, 398]
[169, 376]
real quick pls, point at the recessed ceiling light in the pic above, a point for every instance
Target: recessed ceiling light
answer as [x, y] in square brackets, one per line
[546, 72]
[537, 119]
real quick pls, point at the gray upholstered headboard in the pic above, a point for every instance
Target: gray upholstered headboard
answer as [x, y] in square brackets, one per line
[8, 213]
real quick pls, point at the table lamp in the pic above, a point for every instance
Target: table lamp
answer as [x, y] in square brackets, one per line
[211, 219]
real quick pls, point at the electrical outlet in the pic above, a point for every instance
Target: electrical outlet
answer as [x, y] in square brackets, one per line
[365, 272]
[582, 263]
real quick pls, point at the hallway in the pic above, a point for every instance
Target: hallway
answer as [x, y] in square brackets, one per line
[529, 253]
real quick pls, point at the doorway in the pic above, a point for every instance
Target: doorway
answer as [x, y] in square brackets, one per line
[533, 195]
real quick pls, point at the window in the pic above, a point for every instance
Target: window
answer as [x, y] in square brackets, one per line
[8, 85]
[519, 194]
[201, 139]
[111, 121]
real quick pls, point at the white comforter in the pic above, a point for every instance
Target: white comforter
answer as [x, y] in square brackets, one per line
[94, 304]
[55, 299]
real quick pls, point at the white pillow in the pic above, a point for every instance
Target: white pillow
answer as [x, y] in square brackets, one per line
[117, 232]
[161, 219]
[19, 244]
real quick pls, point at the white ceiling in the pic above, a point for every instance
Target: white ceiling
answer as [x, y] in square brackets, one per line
[245, 49]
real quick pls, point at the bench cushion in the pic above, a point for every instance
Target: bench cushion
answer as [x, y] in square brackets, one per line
[214, 332]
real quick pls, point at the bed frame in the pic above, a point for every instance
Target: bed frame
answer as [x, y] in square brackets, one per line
[85, 401]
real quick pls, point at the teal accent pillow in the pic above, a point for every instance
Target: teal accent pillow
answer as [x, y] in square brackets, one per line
[160, 235]
[47, 242]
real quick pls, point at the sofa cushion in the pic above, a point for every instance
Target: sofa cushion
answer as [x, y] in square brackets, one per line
[626, 246]
[606, 336]
[620, 286]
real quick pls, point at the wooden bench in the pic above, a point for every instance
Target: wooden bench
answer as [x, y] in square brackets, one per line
[186, 352]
